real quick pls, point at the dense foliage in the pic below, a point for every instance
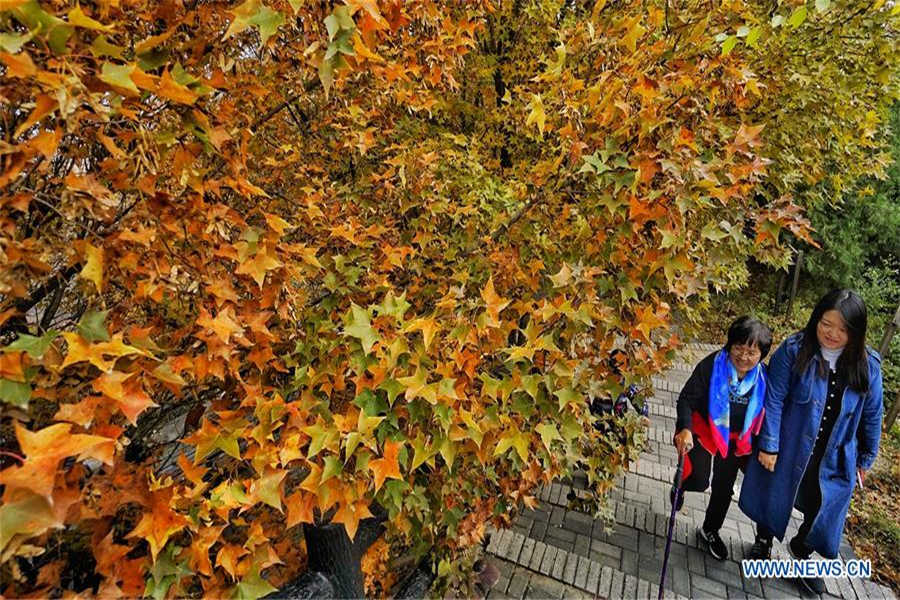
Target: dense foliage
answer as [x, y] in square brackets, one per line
[269, 263]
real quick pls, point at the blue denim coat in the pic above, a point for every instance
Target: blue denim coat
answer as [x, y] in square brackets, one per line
[794, 407]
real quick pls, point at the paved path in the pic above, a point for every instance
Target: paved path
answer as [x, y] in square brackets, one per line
[557, 553]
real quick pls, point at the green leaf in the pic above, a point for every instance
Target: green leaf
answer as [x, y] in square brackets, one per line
[102, 47]
[448, 453]
[162, 574]
[530, 384]
[548, 433]
[119, 76]
[333, 467]
[15, 392]
[420, 453]
[13, 42]
[567, 396]
[49, 27]
[797, 17]
[29, 515]
[823, 5]
[157, 589]
[253, 13]
[359, 325]
[513, 438]
[571, 428]
[320, 436]
[753, 36]
[326, 75]
[713, 232]
[92, 326]
[393, 389]
[252, 587]
[34, 346]
[394, 306]
[536, 113]
[371, 403]
[266, 488]
[728, 45]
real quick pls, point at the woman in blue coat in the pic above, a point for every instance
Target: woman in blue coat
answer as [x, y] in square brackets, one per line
[821, 431]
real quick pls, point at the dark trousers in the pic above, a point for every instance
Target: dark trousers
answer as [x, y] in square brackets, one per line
[809, 501]
[725, 472]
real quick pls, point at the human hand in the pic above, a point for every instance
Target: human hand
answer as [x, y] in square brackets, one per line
[684, 441]
[767, 460]
[861, 474]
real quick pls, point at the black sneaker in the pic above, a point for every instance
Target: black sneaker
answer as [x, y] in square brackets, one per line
[800, 551]
[714, 543]
[761, 550]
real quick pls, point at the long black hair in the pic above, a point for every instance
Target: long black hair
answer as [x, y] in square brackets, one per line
[853, 362]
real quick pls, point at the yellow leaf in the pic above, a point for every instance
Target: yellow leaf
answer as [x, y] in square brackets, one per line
[536, 114]
[93, 266]
[359, 46]
[80, 350]
[257, 266]
[563, 278]
[598, 8]
[513, 438]
[633, 33]
[428, 327]
[79, 19]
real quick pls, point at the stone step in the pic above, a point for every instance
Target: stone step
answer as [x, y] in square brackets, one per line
[534, 569]
[635, 545]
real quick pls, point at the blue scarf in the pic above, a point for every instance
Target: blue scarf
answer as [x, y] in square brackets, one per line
[722, 385]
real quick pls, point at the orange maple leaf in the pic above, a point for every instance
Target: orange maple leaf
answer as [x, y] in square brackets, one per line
[257, 266]
[198, 552]
[128, 395]
[223, 325]
[160, 522]
[82, 413]
[228, 557]
[12, 366]
[300, 507]
[387, 467]
[494, 303]
[350, 514]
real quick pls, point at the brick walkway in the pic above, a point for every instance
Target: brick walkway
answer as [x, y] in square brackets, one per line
[557, 553]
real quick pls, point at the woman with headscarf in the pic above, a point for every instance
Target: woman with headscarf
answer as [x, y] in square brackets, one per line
[721, 408]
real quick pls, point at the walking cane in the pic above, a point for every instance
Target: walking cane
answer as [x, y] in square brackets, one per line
[679, 472]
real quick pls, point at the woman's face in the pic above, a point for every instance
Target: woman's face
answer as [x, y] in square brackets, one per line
[744, 357]
[832, 330]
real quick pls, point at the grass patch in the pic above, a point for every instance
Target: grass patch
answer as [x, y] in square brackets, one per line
[873, 525]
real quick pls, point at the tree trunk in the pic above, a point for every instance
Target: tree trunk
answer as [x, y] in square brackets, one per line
[332, 553]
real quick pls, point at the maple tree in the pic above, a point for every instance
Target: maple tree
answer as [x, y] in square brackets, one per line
[281, 262]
